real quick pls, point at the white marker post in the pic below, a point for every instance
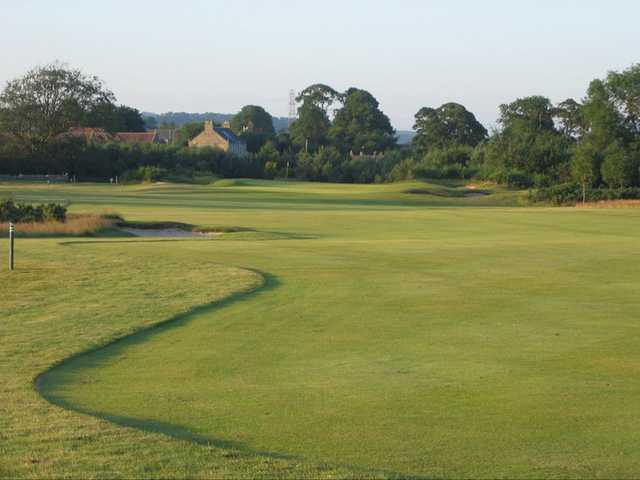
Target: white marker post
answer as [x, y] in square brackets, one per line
[12, 234]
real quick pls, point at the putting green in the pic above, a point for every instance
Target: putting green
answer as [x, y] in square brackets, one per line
[388, 336]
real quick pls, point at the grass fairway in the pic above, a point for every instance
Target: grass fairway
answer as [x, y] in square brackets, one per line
[369, 331]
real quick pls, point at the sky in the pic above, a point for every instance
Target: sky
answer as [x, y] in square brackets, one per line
[215, 55]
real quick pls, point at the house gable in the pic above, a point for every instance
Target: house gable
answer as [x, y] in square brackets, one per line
[219, 137]
[209, 137]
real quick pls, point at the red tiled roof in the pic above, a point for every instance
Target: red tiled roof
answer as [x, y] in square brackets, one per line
[136, 137]
[97, 134]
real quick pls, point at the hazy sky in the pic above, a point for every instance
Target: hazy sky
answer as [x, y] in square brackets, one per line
[191, 55]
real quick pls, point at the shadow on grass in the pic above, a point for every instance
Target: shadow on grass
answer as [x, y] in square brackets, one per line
[94, 357]
[257, 236]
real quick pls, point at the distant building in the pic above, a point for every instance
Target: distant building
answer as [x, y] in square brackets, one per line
[221, 138]
[133, 138]
[90, 134]
[102, 136]
[166, 135]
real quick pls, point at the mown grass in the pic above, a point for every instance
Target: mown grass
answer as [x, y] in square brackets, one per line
[395, 337]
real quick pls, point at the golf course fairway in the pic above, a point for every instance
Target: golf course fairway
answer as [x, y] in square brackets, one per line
[353, 330]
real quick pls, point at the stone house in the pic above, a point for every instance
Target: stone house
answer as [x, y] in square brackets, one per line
[221, 138]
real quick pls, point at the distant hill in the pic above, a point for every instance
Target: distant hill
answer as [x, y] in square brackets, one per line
[405, 136]
[180, 118]
[279, 123]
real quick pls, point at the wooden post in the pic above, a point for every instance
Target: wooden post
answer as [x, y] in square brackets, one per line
[12, 233]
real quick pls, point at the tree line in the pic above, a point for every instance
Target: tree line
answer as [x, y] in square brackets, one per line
[576, 149]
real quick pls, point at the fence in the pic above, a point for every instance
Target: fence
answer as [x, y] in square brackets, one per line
[35, 178]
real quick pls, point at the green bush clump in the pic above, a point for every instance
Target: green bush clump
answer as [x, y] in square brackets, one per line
[147, 173]
[11, 211]
[571, 193]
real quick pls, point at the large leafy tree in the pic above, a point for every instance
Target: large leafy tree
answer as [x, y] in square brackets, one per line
[115, 118]
[528, 141]
[360, 125]
[254, 125]
[571, 118]
[530, 114]
[610, 130]
[311, 128]
[320, 95]
[47, 101]
[624, 92]
[445, 126]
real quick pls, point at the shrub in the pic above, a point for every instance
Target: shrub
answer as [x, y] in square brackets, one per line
[11, 211]
[147, 173]
[571, 193]
[512, 178]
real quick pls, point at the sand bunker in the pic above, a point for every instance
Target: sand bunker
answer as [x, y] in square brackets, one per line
[166, 232]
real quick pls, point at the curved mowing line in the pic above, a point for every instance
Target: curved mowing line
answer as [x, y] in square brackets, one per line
[267, 281]
[177, 432]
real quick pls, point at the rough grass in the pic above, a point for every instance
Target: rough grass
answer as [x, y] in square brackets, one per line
[75, 226]
[610, 204]
[396, 335]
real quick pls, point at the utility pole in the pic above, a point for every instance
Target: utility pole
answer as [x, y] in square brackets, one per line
[292, 106]
[12, 234]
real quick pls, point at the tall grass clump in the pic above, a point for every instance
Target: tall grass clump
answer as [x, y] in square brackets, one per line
[75, 225]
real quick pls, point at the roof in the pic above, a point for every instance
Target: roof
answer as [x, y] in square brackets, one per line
[96, 134]
[227, 134]
[166, 135]
[136, 137]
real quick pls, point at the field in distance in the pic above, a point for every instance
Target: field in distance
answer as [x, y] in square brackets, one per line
[396, 330]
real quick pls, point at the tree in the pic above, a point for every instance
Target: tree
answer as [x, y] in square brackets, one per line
[48, 101]
[571, 118]
[150, 123]
[532, 114]
[115, 118]
[254, 125]
[585, 166]
[311, 128]
[624, 91]
[187, 131]
[601, 117]
[323, 165]
[360, 125]
[619, 169]
[319, 95]
[270, 158]
[528, 142]
[450, 124]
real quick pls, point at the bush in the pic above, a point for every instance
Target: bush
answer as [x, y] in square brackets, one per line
[149, 173]
[512, 178]
[11, 211]
[571, 193]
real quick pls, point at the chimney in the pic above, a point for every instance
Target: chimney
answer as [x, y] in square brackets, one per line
[208, 126]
